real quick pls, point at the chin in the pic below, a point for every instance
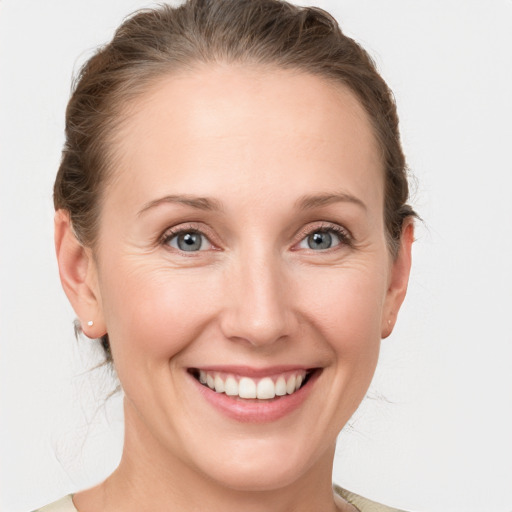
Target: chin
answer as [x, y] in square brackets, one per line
[257, 477]
[263, 465]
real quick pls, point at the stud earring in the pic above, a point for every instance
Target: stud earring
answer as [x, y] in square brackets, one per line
[90, 323]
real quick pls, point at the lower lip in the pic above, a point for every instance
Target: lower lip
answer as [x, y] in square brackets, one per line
[257, 411]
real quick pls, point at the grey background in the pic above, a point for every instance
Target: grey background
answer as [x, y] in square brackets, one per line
[442, 441]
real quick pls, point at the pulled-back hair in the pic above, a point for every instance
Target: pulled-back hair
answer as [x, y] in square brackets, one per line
[157, 42]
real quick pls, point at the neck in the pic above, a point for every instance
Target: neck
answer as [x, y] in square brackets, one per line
[149, 477]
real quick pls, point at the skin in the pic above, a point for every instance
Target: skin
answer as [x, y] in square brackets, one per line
[255, 141]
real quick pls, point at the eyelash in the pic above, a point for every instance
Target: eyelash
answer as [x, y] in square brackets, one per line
[171, 233]
[344, 236]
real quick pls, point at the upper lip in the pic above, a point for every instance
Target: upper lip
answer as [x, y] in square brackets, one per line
[248, 371]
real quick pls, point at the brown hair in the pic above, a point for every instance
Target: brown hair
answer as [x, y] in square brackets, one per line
[155, 42]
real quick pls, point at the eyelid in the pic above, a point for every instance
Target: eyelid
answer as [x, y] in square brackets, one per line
[194, 227]
[312, 227]
[325, 226]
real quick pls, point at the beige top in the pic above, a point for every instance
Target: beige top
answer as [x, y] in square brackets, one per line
[362, 504]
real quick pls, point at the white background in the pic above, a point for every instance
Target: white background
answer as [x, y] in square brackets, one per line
[443, 439]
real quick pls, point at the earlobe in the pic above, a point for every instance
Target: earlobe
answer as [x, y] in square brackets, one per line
[399, 279]
[78, 276]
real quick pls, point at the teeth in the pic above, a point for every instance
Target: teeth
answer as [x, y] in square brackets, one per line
[219, 384]
[280, 386]
[231, 386]
[245, 387]
[290, 385]
[265, 389]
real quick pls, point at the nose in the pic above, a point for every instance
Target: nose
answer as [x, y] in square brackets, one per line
[258, 307]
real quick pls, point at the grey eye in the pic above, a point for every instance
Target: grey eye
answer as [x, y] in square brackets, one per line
[187, 241]
[321, 240]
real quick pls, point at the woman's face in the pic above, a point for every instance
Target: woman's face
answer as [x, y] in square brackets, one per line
[242, 243]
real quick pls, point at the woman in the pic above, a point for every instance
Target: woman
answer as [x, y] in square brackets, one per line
[232, 224]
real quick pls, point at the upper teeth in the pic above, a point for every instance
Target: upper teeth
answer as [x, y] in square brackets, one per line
[246, 387]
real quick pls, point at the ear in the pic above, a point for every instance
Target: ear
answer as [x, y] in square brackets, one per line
[78, 275]
[399, 279]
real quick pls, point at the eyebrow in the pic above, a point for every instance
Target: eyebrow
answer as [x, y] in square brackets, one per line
[201, 203]
[306, 202]
[309, 202]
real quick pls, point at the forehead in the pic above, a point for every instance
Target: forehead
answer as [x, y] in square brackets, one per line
[246, 125]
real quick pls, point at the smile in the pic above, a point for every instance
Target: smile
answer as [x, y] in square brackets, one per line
[266, 388]
[254, 395]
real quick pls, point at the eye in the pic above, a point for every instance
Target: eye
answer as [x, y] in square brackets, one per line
[188, 240]
[324, 238]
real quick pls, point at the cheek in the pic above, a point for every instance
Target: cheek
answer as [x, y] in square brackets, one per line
[155, 311]
[347, 308]
[158, 311]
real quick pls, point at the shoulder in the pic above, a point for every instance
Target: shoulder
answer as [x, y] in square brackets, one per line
[363, 504]
[63, 505]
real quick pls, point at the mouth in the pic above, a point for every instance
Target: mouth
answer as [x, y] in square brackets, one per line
[265, 388]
